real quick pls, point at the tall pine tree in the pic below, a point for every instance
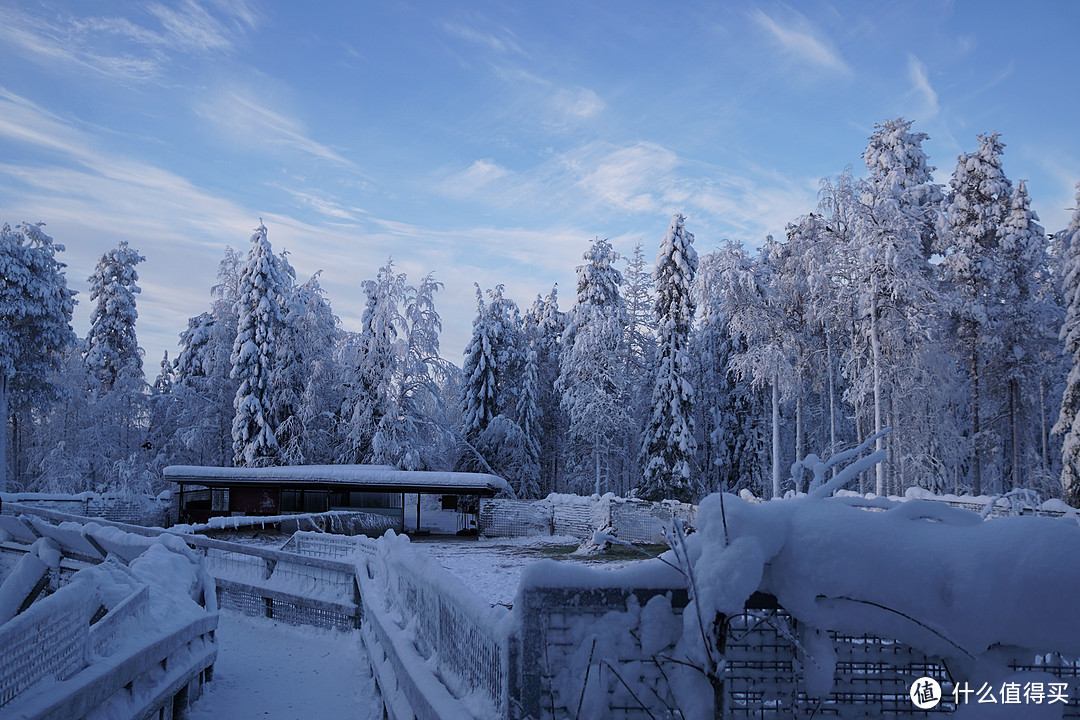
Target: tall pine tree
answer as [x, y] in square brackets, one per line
[669, 444]
[259, 321]
[35, 322]
[976, 208]
[111, 347]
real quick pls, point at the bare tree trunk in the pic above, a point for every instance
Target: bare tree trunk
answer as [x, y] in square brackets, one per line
[596, 454]
[776, 436]
[832, 404]
[976, 466]
[5, 383]
[1014, 431]
[875, 346]
[1042, 420]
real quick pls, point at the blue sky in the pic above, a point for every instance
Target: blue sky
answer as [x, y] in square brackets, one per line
[490, 142]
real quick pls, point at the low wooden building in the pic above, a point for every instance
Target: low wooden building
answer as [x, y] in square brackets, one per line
[205, 492]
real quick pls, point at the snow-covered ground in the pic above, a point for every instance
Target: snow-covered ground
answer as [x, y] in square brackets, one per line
[271, 670]
[492, 567]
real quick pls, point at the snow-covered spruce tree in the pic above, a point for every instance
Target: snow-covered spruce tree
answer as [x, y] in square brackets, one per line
[669, 445]
[592, 377]
[976, 208]
[528, 416]
[380, 353]
[639, 351]
[479, 394]
[203, 392]
[35, 324]
[113, 358]
[259, 322]
[1068, 423]
[899, 169]
[544, 327]
[307, 434]
[1020, 319]
[111, 347]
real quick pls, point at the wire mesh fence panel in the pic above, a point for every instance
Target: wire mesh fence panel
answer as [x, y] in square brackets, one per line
[640, 522]
[48, 640]
[462, 637]
[574, 518]
[246, 601]
[232, 565]
[315, 582]
[514, 518]
[581, 652]
[323, 545]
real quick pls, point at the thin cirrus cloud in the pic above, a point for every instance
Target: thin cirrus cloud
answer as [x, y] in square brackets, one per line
[801, 39]
[921, 90]
[598, 184]
[121, 48]
[507, 44]
[242, 118]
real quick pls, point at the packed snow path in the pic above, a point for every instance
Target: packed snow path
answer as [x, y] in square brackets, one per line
[268, 670]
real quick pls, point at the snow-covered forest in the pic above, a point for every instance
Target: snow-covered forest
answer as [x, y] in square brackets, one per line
[946, 313]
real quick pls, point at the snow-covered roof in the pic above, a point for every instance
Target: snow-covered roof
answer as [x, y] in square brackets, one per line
[376, 478]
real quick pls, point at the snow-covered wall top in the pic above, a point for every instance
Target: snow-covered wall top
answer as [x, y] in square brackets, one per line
[380, 477]
[936, 577]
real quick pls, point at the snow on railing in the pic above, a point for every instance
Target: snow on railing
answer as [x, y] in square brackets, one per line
[334, 521]
[49, 639]
[102, 640]
[446, 625]
[326, 545]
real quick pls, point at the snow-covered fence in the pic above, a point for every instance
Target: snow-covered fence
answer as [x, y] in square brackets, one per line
[293, 588]
[635, 521]
[254, 580]
[590, 650]
[118, 640]
[146, 510]
[324, 545]
[443, 630]
[47, 640]
[345, 522]
[501, 517]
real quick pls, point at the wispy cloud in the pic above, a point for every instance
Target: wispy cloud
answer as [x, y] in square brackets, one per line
[244, 119]
[627, 178]
[321, 204]
[478, 176]
[505, 42]
[921, 90]
[799, 37]
[119, 47]
[581, 103]
[555, 106]
[601, 183]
